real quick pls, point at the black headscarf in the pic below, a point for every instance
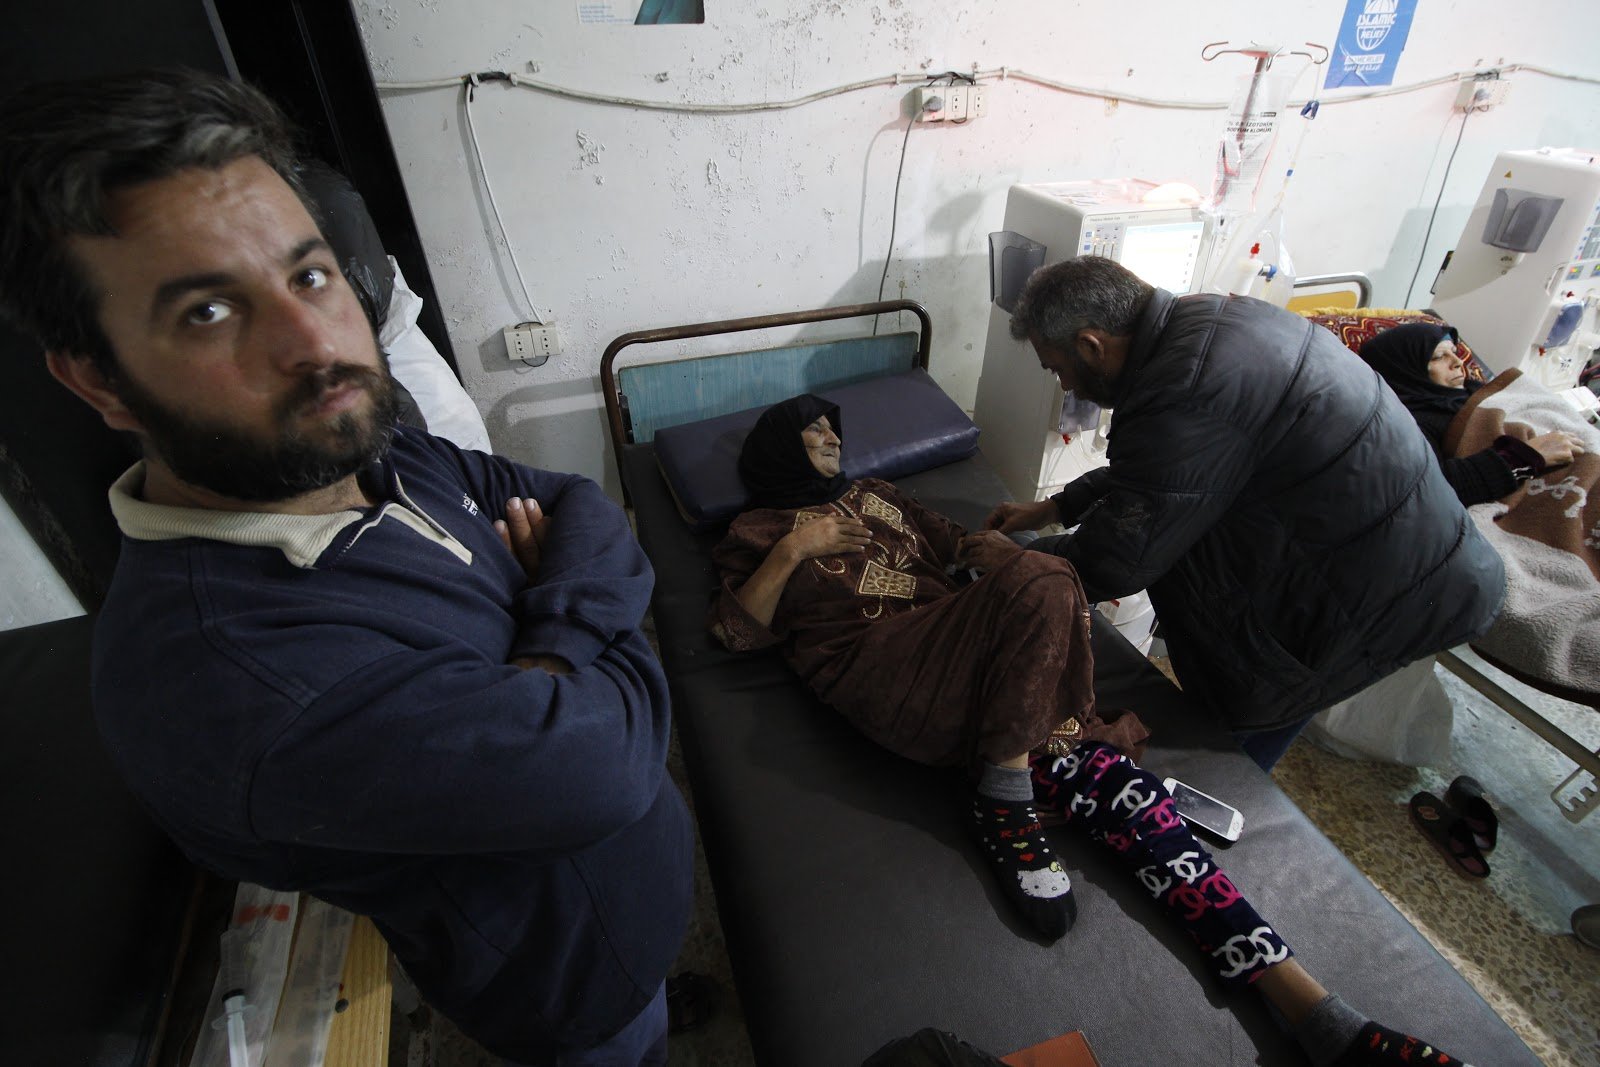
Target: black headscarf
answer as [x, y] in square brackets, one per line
[774, 464]
[1401, 354]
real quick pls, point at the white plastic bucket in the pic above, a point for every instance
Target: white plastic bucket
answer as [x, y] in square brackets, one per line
[1134, 617]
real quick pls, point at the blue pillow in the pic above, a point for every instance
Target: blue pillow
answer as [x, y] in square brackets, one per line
[894, 426]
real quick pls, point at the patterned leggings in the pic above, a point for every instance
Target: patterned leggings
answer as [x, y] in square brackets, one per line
[1129, 810]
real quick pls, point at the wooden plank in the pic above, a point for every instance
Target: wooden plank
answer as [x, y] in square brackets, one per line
[359, 1036]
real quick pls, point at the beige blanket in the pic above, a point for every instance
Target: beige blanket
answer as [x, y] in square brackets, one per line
[1547, 532]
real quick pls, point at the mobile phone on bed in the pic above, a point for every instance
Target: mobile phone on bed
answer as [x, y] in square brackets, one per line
[1200, 809]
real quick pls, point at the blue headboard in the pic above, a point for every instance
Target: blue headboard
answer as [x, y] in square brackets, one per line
[647, 397]
[658, 395]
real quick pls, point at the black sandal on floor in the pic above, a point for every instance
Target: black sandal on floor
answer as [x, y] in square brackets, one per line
[690, 1000]
[1586, 925]
[1466, 796]
[1449, 834]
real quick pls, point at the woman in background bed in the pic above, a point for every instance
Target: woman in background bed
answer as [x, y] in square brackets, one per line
[1423, 366]
[851, 579]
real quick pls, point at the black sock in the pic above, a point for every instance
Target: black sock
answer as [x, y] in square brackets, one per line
[1336, 1035]
[1378, 1046]
[1023, 861]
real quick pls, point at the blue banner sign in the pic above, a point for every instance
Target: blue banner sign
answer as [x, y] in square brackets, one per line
[1371, 39]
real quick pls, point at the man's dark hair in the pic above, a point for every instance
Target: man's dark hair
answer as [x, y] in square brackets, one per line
[65, 147]
[1089, 292]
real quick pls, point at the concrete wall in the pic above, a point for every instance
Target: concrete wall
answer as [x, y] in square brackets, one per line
[625, 219]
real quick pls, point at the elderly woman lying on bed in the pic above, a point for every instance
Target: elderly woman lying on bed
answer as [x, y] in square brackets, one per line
[1421, 363]
[850, 578]
[1526, 465]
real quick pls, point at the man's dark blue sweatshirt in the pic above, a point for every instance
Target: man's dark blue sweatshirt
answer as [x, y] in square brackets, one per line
[327, 704]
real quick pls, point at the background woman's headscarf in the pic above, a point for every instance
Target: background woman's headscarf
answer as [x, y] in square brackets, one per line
[1402, 353]
[774, 464]
[1401, 356]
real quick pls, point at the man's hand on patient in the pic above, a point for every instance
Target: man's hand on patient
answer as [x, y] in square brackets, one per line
[986, 550]
[1557, 448]
[523, 532]
[1011, 517]
[827, 536]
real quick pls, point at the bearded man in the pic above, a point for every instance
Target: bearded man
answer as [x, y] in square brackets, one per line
[338, 655]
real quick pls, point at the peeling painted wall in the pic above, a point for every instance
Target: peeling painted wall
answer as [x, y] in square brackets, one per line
[624, 219]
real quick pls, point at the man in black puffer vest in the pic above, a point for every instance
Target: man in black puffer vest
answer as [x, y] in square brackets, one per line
[1294, 530]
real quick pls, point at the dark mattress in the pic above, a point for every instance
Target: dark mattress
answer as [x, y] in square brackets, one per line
[856, 909]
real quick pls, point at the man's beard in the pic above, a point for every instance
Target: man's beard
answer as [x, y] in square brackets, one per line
[219, 457]
[1092, 385]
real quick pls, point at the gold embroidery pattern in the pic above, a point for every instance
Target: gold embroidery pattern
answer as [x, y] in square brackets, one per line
[1064, 738]
[878, 580]
[803, 517]
[874, 505]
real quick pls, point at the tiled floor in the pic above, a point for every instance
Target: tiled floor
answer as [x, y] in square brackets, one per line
[1509, 935]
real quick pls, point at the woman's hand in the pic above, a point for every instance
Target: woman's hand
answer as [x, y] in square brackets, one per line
[827, 536]
[1558, 447]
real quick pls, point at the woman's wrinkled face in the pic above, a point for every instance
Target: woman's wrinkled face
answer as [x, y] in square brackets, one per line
[822, 446]
[1446, 367]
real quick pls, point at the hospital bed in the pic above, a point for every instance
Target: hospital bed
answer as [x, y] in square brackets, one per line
[855, 907]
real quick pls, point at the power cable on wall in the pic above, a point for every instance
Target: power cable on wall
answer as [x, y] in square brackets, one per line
[469, 85]
[894, 207]
[894, 216]
[993, 74]
[469, 82]
[1422, 253]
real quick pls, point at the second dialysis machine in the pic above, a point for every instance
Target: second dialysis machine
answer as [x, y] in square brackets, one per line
[1523, 283]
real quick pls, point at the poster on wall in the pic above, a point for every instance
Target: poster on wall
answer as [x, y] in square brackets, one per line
[641, 12]
[1371, 38]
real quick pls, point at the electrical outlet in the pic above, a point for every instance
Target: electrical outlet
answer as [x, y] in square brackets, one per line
[1481, 94]
[532, 342]
[1498, 88]
[928, 104]
[957, 103]
[977, 102]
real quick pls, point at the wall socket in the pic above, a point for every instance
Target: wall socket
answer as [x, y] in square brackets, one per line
[928, 103]
[1481, 94]
[957, 103]
[532, 342]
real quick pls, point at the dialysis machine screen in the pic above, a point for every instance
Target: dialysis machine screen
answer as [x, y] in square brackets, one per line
[1165, 255]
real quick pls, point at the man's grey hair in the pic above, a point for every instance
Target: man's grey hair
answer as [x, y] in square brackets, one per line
[1089, 292]
[66, 147]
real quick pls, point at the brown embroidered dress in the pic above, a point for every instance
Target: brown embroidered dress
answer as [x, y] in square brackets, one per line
[935, 672]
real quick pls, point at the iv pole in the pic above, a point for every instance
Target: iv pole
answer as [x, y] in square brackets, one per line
[1264, 56]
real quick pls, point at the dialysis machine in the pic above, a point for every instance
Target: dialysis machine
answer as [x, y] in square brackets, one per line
[1019, 406]
[1523, 283]
[1035, 443]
